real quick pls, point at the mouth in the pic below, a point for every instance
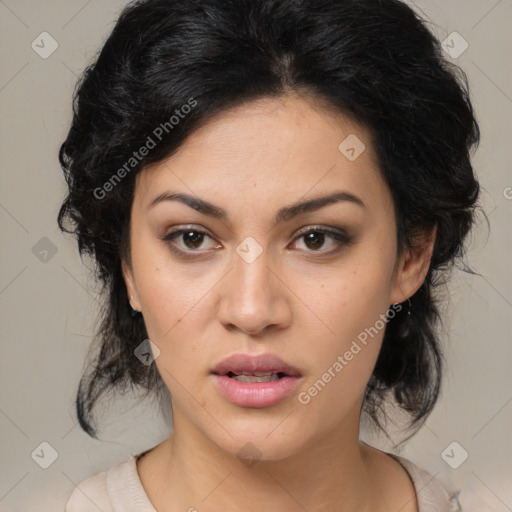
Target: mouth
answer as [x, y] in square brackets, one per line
[256, 376]
[256, 381]
[255, 368]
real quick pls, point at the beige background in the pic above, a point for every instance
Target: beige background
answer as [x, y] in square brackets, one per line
[48, 307]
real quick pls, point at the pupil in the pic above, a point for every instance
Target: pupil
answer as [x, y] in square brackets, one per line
[189, 235]
[315, 236]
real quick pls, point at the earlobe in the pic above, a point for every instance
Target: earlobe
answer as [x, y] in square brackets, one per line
[130, 286]
[413, 267]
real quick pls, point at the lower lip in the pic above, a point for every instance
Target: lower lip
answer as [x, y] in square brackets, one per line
[257, 394]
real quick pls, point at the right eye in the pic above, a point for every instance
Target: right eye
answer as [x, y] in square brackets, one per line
[191, 238]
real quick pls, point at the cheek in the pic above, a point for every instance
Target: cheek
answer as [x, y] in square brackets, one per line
[336, 391]
[350, 312]
[176, 311]
[350, 300]
[173, 315]
[170, 292]
[172, 323]
[347, 353]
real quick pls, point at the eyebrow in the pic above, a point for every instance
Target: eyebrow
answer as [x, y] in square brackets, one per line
[284, 214]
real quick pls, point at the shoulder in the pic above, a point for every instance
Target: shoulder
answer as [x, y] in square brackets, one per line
[433, 494]
[116, 489]
[90, 495]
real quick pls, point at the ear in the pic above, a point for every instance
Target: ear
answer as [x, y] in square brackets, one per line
[413, 267]
[131, 288]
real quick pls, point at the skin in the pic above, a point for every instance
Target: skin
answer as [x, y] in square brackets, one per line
[295, 300]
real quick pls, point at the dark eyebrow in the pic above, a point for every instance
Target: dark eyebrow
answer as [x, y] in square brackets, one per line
[284, 214]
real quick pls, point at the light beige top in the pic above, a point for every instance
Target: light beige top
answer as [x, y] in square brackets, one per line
[119, 489]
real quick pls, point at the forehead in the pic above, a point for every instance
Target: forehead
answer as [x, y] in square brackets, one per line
[270, 150]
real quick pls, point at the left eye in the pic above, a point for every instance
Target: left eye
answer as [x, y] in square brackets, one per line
[315, 238]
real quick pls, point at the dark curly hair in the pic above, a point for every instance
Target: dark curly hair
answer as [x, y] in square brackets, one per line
[373, 60]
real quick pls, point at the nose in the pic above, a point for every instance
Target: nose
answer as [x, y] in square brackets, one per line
[254, 297]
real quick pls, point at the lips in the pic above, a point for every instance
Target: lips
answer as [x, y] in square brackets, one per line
[258, 381]
[259, 366]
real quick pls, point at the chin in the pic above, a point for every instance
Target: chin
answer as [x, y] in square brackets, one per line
[252, 443]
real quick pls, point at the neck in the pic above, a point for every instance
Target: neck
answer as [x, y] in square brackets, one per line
[331, 473]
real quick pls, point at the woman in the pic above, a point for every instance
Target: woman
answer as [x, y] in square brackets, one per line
[271, 190]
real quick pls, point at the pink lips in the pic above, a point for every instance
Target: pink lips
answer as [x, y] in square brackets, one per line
[255, 394]
[238, 363]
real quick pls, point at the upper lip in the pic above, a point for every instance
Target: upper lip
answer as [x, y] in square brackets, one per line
[239, 363]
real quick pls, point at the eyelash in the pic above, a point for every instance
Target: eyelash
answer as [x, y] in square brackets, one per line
[341, 237]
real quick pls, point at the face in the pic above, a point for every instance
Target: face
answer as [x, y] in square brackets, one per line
[250, 275]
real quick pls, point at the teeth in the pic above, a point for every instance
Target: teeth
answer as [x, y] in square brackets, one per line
[257, 377]
[256, 374]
